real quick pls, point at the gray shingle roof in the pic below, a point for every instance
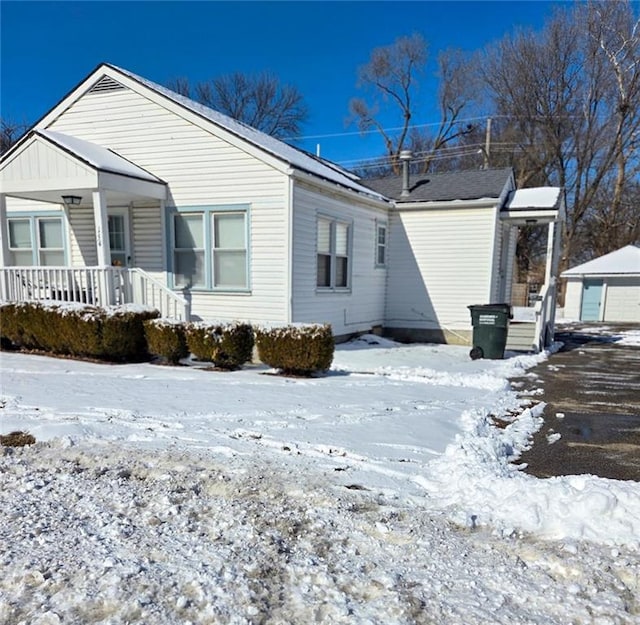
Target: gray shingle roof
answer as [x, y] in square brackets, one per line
[460, 185]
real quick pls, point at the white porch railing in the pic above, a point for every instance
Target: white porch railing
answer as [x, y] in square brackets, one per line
[99, 286]
[545, 309]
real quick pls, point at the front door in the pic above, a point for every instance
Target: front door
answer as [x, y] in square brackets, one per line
[591, 296]
[119, 243]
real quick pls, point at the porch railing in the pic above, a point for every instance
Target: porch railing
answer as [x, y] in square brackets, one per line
[99, 286]
[545, 309]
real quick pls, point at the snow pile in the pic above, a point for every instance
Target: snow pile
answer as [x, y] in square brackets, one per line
[376, 494]
[118, 535]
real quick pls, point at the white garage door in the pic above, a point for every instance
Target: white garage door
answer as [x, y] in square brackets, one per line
[623, 299]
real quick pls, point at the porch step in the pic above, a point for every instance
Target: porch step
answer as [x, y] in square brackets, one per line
[521, 336]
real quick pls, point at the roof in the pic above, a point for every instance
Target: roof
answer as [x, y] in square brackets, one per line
[473, 184]
[293, 156]
[95, 155]
[626, 260]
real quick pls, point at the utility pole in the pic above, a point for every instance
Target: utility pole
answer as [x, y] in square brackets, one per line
[487, 144]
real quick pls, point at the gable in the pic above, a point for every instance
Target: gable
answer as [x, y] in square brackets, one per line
[40, 167]
[108, 80]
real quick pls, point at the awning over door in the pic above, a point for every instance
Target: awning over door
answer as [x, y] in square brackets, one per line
[538, 205]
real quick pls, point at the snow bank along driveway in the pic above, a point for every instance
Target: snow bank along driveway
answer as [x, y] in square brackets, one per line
[378, 494]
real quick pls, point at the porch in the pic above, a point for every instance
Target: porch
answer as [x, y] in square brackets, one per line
[80, 249]
[97, 286]
[533, 327]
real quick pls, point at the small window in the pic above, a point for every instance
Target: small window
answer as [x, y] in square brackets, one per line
[381, 245]
[333, 251]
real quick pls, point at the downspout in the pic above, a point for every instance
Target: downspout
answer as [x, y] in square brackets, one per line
[289, 280]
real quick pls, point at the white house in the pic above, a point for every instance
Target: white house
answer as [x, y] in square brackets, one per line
[606, 288]
[128, 192]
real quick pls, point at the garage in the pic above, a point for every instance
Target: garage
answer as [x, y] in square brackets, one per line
[606, 289]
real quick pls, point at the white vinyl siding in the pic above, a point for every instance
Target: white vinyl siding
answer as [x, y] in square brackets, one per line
[439, 263]
[200, 168]
[359, 308]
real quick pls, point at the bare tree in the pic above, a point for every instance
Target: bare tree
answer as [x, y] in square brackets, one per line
[180, 85]
[391, 78]
[260, 101]
[391, 75]
[569, 97]
[10, 133]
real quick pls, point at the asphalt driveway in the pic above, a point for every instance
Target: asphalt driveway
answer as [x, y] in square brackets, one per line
[592, 417]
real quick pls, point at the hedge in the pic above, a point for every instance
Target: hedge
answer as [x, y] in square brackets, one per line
[226, 345]
[166, 339]
[114, 334]
[296, 350]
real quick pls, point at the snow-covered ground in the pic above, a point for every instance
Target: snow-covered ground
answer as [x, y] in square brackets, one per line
[380, 493]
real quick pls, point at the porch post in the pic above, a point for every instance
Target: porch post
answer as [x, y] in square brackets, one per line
[553, 248]
[102, 245]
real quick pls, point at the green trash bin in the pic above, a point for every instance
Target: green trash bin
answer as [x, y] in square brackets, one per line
[490, 328]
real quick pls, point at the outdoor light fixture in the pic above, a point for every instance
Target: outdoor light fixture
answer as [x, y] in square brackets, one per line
[71, 200]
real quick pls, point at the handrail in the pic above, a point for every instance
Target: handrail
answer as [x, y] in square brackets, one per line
[149, 291]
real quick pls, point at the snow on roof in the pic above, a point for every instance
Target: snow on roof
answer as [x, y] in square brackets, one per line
[97, 156]
[295, 157]
[626, 260]
[535, 198]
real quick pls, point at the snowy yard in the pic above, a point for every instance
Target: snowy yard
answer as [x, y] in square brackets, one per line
[381, 493]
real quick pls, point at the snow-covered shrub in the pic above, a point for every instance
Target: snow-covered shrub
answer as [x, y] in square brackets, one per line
[226, 345]
[296, 349]
[123, 337]
[166, 339]
[115, 334]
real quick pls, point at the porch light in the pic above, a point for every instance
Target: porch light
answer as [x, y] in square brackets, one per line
[71, 200]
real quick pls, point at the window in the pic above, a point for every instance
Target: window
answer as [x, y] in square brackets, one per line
[188, 250]
[36, 241]
[381, 245]
[333, 245]
[229, 250]
[210, 249]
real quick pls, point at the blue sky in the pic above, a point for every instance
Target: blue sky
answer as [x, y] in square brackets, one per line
[48, 47]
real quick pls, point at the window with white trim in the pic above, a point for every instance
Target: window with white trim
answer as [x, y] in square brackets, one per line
[210, 249]
[333, 252]
[36, 241]
[381, 244]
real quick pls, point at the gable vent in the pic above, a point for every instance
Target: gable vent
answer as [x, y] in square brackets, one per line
[106, 84]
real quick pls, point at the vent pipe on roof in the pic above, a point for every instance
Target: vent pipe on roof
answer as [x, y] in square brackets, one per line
[405, 158]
